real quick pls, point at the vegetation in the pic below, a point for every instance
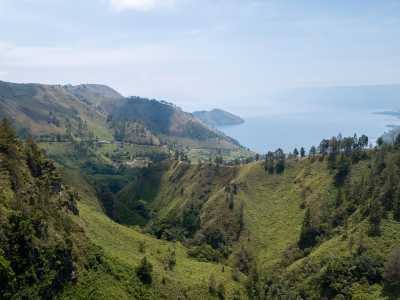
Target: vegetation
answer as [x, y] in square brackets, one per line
[203, 223]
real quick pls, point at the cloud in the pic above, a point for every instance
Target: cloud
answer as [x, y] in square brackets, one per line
[3, 74]
[141, 5]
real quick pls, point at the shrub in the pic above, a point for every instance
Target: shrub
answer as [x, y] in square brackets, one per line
[143, 271]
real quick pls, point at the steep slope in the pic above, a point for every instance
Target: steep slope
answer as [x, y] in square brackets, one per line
[91, 192]
[287, 222]
[218, 117]
[40, 230]
[51, 250]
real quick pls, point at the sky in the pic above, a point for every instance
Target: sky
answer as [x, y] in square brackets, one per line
[200, 54]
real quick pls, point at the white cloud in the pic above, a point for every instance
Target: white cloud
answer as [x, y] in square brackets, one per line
[142, 5]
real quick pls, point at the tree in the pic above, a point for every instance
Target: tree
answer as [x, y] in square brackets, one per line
[7, 135]
[302, 151]
[375, 216]
[143, 271]
[347, 144]
[323, 146]
[397, 141]
[237, 161]
[308, 230]
[257, 157]
[333, 145]
[313, 151]
[363, 141]
[355, 141]
[379, 141]
[270, 156]
[391, 271]
[295, 153]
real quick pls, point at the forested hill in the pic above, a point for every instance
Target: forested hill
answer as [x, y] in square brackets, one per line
[218, 117]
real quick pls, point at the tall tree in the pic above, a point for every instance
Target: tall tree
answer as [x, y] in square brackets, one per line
[313, 151]
[302, 151]
[295, 153]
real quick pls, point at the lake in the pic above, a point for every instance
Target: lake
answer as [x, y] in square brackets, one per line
[263, 132]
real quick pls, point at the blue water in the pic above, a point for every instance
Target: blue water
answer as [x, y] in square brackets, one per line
[270, 131]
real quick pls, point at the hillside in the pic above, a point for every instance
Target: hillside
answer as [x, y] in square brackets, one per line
[46, 111]
[67, 121]
[56, 241]
[104, 90]
[324, 226]
[284, 227]
[164, 119]
[218, 117]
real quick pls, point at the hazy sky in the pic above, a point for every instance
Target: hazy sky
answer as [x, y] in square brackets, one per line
[200, 53]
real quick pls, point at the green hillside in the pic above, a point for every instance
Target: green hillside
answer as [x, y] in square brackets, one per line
[135, 217]
[292, 225]
[48, 112]
[57, 243]
[218, 117]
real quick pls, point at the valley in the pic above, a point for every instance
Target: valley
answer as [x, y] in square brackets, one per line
[107, 197]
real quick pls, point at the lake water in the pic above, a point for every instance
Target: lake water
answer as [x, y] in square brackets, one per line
[270, 131]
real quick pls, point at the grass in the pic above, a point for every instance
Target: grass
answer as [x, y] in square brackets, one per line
[125, 247]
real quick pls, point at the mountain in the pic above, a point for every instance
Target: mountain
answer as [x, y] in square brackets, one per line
[218, 117]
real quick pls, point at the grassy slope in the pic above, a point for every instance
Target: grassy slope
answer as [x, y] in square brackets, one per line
[121, 246]
[272, 213]
[28, 106]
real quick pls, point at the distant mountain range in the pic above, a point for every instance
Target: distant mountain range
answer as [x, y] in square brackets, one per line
[218, 117]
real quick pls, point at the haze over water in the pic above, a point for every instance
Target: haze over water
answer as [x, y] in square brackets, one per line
[266, 131]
